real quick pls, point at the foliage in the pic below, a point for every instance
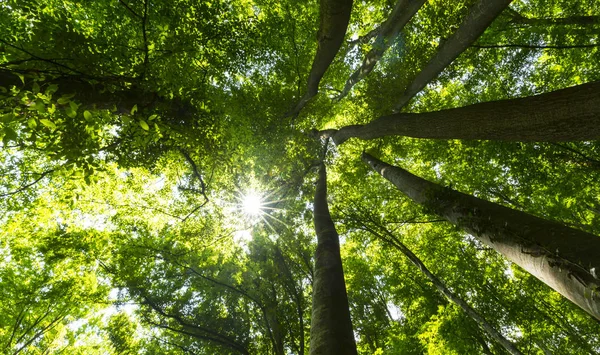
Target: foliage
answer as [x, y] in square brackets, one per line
[132, 129]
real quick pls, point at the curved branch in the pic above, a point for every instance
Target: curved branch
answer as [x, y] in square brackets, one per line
[25, 187]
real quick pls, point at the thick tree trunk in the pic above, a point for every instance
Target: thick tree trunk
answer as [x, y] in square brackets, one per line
[565, 115]
[331, 327]
[334, 19]
[480, 16]
[441, 287]
[401, 14]
[109, 96]
[566, 259]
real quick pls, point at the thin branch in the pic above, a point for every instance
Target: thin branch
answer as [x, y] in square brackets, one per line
[197, 174]
[212, 335]
[42, 59]
[146, 51]
[130, 9]
[533, 46]
[25, 187]
[576, 152]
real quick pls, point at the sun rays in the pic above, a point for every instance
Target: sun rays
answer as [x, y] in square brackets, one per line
[254, 207]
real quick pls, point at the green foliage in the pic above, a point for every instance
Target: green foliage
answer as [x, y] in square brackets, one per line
[131, 129]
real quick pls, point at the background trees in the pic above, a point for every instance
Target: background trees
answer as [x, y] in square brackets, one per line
[120, 120]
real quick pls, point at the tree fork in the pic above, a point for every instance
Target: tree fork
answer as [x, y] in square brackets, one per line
[566, 259]
[570, 114]
[331, 327]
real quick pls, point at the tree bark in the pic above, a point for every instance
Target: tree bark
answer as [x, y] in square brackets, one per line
[403, 11]
[441, 287]
[570, 114]
[108, 95]
[331, 327]
[566, 259]
[480, 16]
[334, 19]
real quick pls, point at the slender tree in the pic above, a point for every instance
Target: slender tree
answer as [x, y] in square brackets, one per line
[564, 258]
[331, 327]
[394, 241]
[403, 11]
[479, 18]
[334, 18]
[563, 115]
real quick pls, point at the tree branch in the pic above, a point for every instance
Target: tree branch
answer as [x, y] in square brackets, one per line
[25, 187]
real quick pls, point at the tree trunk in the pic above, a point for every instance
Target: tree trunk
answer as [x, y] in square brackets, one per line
[565, 115]
[334, 19]
[441, 287]
[331, 328]
[108, 95]
[566, 259]
[480, 16]
[403, 11]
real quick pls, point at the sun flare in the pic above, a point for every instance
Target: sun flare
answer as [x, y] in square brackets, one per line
[252, 204]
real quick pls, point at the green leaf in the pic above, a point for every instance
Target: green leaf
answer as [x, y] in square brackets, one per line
[51, 89]
[9, 117]
[48, 123]
[144, 125]
[36, 88]
[39, 106]
[134, 109]
[9, 135]
[70, 112]
[64, 99]
[87, 115]
[31, 122]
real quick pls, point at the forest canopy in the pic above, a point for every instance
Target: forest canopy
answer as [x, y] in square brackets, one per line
[190, 176]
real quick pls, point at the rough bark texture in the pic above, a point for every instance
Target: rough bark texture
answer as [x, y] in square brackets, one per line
[565, 115]
[403, 11]
[331, 327]
[441, 287]
[334, 18]
[566, 259]
[479, 18]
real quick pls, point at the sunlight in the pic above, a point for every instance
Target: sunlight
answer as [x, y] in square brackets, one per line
[252, 204]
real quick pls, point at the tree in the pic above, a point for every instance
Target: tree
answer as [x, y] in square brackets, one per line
[334, 16]
[564, 258]
[442, 288]
[385, 37]
[479, 18]
[331, 327]
[563, 115]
